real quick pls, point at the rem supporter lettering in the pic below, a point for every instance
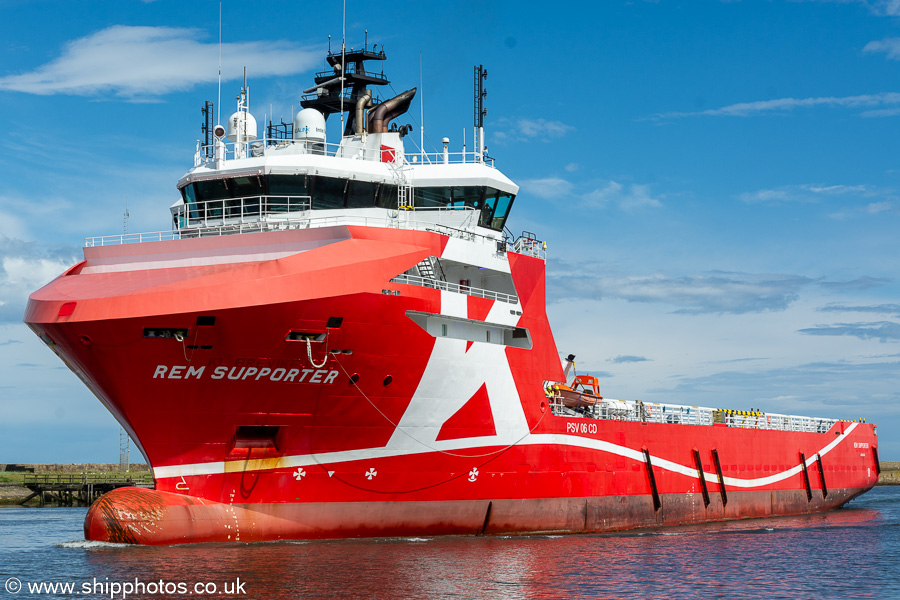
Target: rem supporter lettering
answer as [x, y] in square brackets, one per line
[247, 373]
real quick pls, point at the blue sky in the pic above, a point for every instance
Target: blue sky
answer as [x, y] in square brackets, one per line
[718, 182]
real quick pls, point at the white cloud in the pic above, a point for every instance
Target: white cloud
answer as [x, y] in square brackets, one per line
[883, 331]
[526, 129]
[626, 197]
[11, 225]
[716, 292]
[611, 193]
[878, 207]
[805, 193]
[882, 8]
[889, 8]
[549, 188]
[627, 358]
[25, 267]
[889, 46]
[145, 62]
[784, 105]
[885, 309]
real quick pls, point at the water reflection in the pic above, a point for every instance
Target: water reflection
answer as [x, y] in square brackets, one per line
[841, 554]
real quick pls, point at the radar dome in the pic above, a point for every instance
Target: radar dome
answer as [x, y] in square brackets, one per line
[236, 127]
[309, 124]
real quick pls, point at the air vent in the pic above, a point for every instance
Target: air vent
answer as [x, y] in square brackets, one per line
[206, 321]
[334, 322]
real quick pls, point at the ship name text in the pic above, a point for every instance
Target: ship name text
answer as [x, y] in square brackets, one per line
[244, 372]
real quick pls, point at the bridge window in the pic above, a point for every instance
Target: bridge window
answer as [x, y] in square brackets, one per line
[288, 185]
[361, 194]
[240, 196]
[433, 197]
[328, 193]
[504, 201]
[386, 196]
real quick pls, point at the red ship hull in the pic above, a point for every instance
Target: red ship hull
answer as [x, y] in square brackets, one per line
[382, 428]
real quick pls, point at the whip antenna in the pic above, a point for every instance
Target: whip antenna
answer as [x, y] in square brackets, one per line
[343, 66]
[219, 101]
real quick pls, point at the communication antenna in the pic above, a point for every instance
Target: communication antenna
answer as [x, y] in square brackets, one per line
[207, 128]
[125, 216]
[422, 110]
[219, 100]
[480, 110]
[343, 65]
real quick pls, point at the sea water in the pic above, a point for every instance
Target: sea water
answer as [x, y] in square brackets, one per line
[852, 552]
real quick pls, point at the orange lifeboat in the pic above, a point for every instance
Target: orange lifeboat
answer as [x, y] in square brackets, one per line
[585, 391]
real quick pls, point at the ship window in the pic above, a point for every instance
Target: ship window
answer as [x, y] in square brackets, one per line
[471, 196]
[361, 194]
[242, 187]
[188, 194]
[211, 189]
[386, 196]
[288, 185]
[449, 197]
[328, 192]
[433, 197]
[504, 202]
[488, 209]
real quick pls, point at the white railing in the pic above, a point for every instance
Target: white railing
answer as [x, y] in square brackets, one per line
[775, 421]
[454, 287]
[249, 209]
[131, 238]
[655, 412]
[206, 155]
[216, 226]
[530, 246]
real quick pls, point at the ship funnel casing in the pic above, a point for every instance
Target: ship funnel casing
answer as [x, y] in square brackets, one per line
[237, 128]
[379, 119]
[309, 125]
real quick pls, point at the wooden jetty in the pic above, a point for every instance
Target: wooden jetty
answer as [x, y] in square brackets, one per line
[79, 489]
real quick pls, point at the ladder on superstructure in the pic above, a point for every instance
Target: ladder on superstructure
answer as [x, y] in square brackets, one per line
[405, 195]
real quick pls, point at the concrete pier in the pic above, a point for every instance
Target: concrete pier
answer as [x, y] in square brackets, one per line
[66, 484]
[79, 489]
[890, 473]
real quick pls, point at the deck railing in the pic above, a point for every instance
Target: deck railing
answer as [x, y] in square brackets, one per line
[243, 215]
[209, 155]
[453, 287]
[249, 209]
[655, 412]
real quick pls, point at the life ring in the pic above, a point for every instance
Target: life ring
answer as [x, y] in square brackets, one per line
[649, 410]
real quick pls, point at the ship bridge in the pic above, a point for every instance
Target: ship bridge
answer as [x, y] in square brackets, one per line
[293, 178]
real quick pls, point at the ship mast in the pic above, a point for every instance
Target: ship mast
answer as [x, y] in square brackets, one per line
[480, 110]
[348, 73]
